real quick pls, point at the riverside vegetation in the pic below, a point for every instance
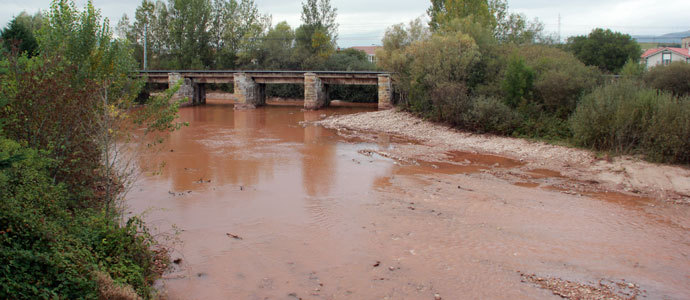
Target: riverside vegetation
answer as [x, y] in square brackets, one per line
[66, 104]
[478, 68]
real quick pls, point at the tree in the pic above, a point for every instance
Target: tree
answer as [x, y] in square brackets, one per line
[605, 49]
[315, 39]
[320, 14]
[443, 11]
[19, 36]
[189, 35]
[277, 46]
[489, 14]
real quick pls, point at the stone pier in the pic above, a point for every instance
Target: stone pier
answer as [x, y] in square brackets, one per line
[385, 91]
[315, 92]
[195, 93]
[185, 91]
[248, 93]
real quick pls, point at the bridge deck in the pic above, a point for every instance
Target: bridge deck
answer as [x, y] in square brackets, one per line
[270, 77]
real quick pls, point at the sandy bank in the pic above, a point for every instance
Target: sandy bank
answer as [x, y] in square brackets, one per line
[621, 174]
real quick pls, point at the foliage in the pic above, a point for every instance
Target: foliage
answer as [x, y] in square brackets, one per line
[560, 78]
[320, 14]
[605, 49]
[673, 78]
[625, 117]
[491, 15]
[518, 83]
[443, 11]
[632, 70]
[315, 39]
[18, 35]
[46, 251]
[277, 47]
[63, 112]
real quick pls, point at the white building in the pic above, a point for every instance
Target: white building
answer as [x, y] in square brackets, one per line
[667, 55]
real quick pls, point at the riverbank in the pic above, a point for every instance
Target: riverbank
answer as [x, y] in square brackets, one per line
[588, 173]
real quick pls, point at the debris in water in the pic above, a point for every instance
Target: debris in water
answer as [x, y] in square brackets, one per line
[177, 261]
[234, 236]
[378, 263]
[437, 296]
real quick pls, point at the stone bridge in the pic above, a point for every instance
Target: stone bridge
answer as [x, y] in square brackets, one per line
[250, 86]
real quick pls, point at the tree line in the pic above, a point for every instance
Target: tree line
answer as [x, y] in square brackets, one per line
[477, 67]
[234, 34]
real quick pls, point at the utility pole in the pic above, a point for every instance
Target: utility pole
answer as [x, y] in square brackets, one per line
[146, 30]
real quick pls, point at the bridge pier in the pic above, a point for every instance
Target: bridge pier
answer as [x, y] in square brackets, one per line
[248, 93]
[193, 91]
[315, 92]
[186, 89]
[199, 93]
[385, 91]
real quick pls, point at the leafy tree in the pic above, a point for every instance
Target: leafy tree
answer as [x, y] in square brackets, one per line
[18, 35]
[489, 14]
[673, 78]
[605, 49]
[315, 38]
[443, 11]
[277, 46]
[320, 14]
[189, 37]
[518, 82]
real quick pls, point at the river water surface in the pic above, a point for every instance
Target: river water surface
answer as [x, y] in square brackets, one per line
[265, 208]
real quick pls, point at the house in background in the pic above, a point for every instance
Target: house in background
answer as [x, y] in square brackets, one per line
[667, 55]
[369, 50]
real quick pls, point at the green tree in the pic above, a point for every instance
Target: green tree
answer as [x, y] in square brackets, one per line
[320, 14]
[518, 82]
[189, 35]
[443, 11]
[18, 35]
[605, 49]
[315, 38]
[277, 46]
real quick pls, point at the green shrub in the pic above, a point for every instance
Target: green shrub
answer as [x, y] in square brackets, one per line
[626, 117]
[674, 78]
[518, 82]
[49, 251]
[488, 114]
[561, 79]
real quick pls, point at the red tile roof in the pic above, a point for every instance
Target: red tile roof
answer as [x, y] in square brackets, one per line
[371, 50]
[681, 51]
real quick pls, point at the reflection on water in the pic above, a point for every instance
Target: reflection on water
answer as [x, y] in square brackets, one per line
[261, 175]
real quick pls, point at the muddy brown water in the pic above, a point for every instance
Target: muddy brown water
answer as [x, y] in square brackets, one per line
[265, 208]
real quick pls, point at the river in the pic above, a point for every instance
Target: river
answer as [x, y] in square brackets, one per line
[263, 207]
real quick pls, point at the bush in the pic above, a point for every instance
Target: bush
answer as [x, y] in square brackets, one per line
[626, 117]
[560, 80]
[48, 251]
[518, 82]
[674, 78]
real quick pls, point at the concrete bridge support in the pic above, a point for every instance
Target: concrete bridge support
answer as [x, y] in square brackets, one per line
[186, 89]
[315, 92]
[248, 93]
[385, 91]
[199, 93]
[194, 92]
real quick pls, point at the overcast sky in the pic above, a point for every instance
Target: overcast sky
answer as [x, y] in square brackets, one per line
[362, 22]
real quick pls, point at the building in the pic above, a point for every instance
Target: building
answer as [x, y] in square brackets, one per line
[667, 55]
[369, 50]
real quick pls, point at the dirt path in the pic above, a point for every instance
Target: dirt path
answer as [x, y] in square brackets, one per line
[591, 174]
